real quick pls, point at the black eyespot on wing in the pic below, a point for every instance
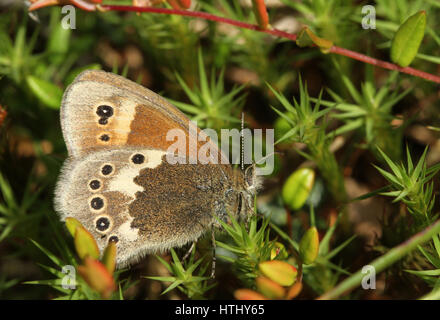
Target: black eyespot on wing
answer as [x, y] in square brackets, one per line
[104, 137]
[102, 224]
[97, 203]
[106, 169]
[114, 239]
[104, 111]
[138, 158]
[95, 184]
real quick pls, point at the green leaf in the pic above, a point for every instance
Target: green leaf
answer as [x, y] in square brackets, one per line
[172, 286]
[85, 244]
[279, 271]
[389, 176]
[425, 272]
[281, 98]
[283, 235]
[409, 160]
[229, 248]
[166, 279]
[428, 58]
[50, 255]
[434, 260]
[109, 257]
[396, 170]
[7, 193]
[48, 93]
[349, 126]
[297, 188]
[306, 38]
[324, 246]
[177, 267]
[420, 165]
[72, 224]
[357, 97]
[228, 259]
[121, 296]
[339, 248]
[407, 40]
[166, 264]
[309, 246]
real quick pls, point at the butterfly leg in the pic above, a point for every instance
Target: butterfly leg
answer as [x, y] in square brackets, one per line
[247, 223]
[189, 251]
[213, 253]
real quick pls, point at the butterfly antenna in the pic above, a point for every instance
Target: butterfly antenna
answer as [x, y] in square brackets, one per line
[242, 141]
[267, 156]
[214, 246]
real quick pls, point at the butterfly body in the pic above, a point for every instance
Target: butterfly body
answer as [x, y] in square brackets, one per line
[117, 180]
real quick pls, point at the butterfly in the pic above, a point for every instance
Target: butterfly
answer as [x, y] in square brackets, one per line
[118, 180]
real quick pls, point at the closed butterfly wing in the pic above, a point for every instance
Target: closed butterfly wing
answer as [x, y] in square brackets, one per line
[118, 181]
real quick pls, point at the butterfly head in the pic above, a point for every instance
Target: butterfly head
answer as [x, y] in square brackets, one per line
[247, 183]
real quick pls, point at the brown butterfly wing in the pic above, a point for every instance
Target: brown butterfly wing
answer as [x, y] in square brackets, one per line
[122, 187]
[146, 205]
[101, 110]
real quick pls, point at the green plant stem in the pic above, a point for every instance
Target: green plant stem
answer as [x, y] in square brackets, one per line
[384, 261]
[331, 172]
[433, 295]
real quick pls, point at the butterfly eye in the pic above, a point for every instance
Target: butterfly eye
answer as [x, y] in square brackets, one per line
[114, 239]
[249, 175]
[95, 185]
[102, 224]
[138, 158]
[107, 169]
[104, 111]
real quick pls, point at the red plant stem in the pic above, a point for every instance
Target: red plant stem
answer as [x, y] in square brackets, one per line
[278, 33]
[384, 64]
[202, 15]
